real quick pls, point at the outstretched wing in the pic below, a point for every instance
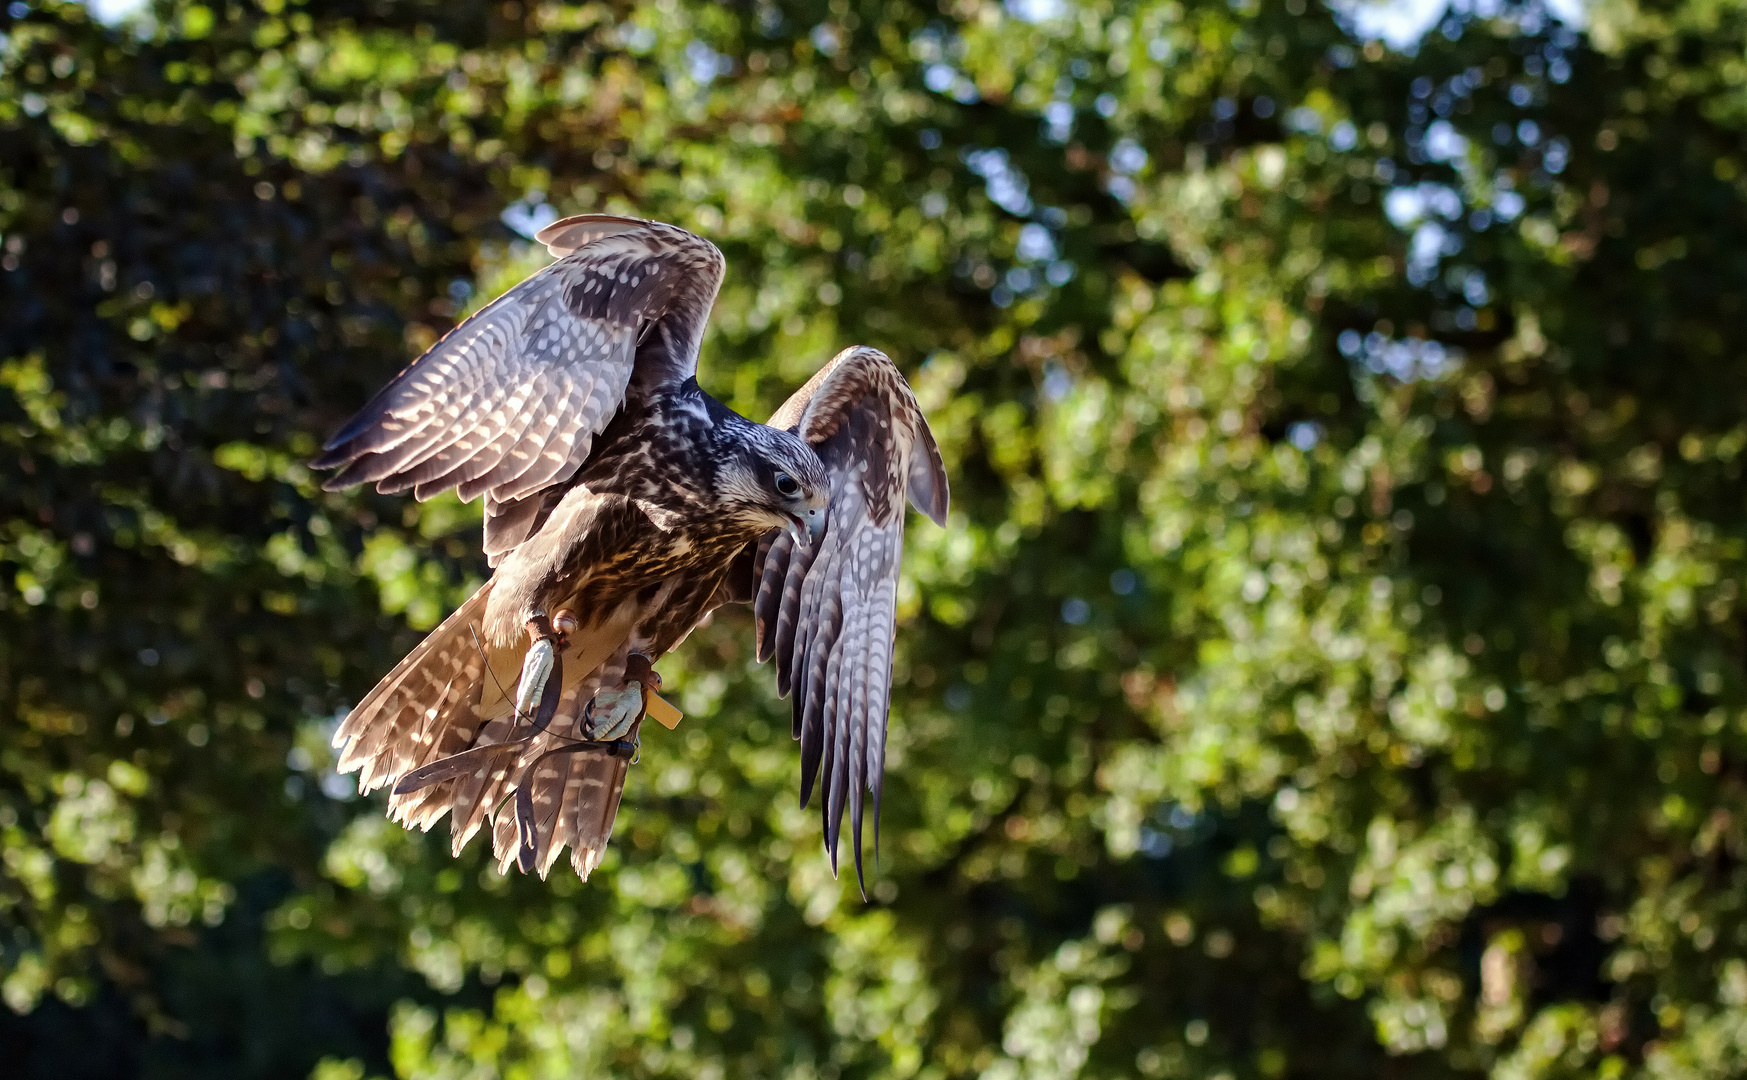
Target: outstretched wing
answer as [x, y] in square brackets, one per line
[508, 404]
[827, 611]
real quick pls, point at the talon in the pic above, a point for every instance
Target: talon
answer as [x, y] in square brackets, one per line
[536, 669]
[611, 713]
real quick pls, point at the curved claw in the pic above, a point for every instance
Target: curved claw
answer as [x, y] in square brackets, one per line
[611, 713]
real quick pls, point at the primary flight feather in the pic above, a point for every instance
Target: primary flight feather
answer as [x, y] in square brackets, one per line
[622, 505]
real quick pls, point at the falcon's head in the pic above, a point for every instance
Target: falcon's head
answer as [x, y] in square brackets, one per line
[773, 480]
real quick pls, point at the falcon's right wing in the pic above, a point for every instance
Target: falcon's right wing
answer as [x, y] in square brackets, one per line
[827, 611]
[508, 404]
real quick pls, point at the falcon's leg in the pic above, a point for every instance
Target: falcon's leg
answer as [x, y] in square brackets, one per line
[543, 668]
[611, 712]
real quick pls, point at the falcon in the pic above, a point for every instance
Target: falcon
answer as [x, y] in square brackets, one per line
[623, 505]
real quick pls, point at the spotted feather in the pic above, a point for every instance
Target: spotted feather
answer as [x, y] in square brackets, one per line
[828, 614]
[511, 400]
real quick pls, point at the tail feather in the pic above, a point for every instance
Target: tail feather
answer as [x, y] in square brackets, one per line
[566, 769]
[442, 643]
[576, 795]
[384, 732]
[591, 802]
[454, 693]
[476, 796]
[602, 789]
[563, 829]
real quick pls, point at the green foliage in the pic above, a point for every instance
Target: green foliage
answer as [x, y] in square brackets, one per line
[1335, 665]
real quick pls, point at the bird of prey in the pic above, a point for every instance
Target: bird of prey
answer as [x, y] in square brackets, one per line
[622, 505]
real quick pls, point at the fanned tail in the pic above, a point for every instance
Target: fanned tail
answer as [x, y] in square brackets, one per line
[441, 729]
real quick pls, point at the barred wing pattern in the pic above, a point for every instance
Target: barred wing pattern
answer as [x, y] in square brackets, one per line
[509, 403]
[441, 729]
[828, 612]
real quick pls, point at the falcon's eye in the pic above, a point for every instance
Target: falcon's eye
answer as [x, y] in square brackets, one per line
[786, 485]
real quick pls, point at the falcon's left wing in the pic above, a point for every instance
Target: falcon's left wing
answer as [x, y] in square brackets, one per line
[827, 611]
[509, 403]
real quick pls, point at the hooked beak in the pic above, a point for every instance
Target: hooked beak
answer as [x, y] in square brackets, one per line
[806, 527]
